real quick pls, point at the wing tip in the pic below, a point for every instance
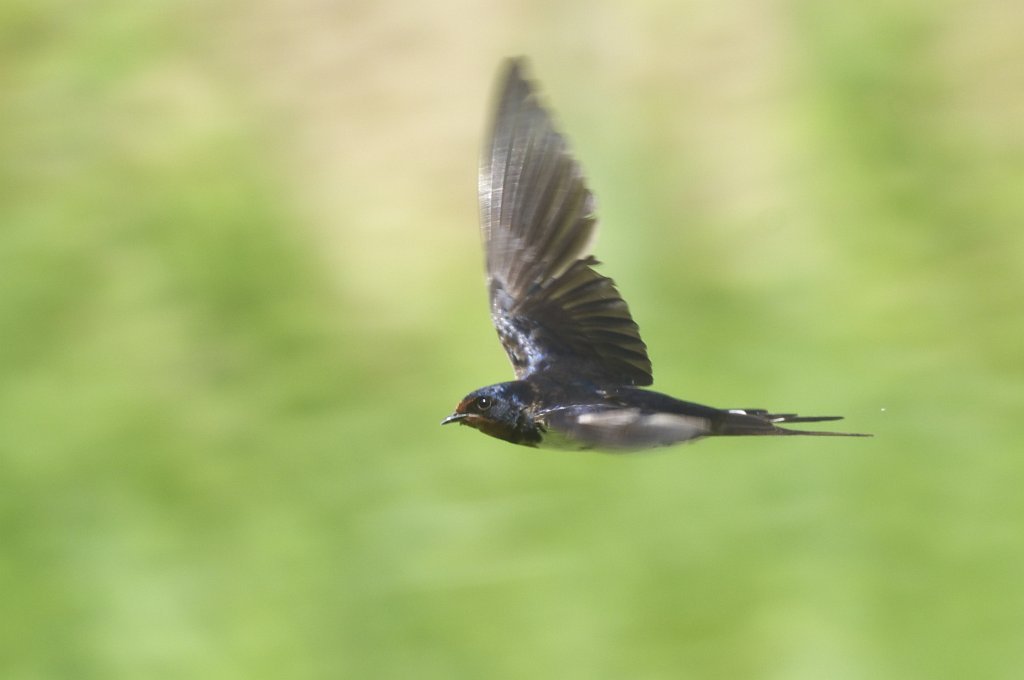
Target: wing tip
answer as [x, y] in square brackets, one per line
[513, 75]
[515, 66]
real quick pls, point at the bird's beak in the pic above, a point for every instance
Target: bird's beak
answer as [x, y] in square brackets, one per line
[453, 418]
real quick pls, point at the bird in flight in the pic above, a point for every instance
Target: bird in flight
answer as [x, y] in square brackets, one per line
[576, 351]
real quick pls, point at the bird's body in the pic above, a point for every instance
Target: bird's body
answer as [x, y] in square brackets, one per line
[554, 411]
[573, 344]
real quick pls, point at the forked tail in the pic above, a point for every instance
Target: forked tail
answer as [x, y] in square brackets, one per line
[755, 421]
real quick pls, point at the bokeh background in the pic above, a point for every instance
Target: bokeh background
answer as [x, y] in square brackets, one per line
[240, 284]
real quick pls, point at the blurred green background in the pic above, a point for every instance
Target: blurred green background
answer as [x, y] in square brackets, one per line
[241, 285]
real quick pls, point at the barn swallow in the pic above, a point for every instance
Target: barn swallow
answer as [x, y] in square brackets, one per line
[575, 349]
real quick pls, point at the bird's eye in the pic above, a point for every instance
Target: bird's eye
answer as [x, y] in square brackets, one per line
[483, 403]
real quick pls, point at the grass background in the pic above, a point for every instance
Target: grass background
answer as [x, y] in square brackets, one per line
[241, 285]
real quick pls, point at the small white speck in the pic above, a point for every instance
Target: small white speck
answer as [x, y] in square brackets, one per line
[883, 409]
[610, 418]
[738, 411]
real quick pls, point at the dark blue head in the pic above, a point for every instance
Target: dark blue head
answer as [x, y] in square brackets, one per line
[501, 411]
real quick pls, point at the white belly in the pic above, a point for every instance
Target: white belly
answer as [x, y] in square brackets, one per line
[618, 429]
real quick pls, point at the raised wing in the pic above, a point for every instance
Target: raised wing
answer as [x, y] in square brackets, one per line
[549, 306]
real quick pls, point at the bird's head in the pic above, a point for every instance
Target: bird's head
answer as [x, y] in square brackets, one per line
[500, 411]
